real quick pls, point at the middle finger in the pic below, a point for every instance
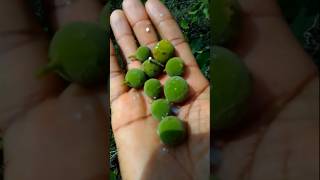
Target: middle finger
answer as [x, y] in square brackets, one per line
[140, 22]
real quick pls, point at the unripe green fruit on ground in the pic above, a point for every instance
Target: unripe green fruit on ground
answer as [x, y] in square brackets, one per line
[227, 21]
[231, 89]
[162, 51]
[78, 53]
[142, 54]
[160, 109]
[151, 68]
[135, 78]
[174, 67]
[171, 131]
[153, 88]
[176, 89]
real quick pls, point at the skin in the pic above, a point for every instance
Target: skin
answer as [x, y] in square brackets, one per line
[136, 129]
[55, 145]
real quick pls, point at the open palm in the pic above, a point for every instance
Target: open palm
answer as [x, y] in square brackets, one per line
[141, 154]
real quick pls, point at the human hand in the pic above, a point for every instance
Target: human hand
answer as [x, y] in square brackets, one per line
[280, 138]
[140, 152]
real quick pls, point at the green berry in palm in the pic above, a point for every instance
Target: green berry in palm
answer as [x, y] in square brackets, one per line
[160, 109]
[163, 51]
[176, 89]
[78, 53]
[142, 53]
[172, 131]
[174, 67]
[153, 88]
[135, 78]
[151, 68]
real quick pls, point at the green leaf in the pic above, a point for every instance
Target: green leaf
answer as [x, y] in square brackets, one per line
[113, 176]
[184, 24]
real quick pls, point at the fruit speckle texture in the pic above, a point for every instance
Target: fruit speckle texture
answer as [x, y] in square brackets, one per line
[142, 53]
[151, 69]
[162, 51]
[160, 109]
[176, 89]
[135, 78]
[153, 88]
[171, 131]
[174, 67]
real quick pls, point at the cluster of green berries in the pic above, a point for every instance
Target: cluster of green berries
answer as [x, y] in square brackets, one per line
[171, 129]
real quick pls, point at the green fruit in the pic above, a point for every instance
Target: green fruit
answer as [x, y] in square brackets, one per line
[151, 68]
[142, 54]
[135, 78]
[171, 131]
[176, 89]
[163, 51]
[160, 109]
[153, 88]
[227, 21]
[174, 67]
[78, 53]
[231, 89]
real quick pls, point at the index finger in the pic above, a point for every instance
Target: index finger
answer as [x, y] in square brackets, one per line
[116, 76]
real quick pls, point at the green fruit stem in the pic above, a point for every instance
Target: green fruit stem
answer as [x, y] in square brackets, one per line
[133, 57]
[157, 63]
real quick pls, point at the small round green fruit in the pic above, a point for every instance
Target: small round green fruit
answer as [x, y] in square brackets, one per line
[162, 51]
[135, 78]
[151, 68]
[232, 86]
[78, 53]
[176, 89]
[142, 54]
[175, 67]
[153, 88]
[172, 131]
[160, 109]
